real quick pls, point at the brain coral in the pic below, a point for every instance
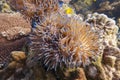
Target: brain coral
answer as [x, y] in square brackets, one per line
[62, 41]
[34, 7]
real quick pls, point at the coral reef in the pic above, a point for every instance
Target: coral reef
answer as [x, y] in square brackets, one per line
[106, 28]
[109, 57]
[61, 45]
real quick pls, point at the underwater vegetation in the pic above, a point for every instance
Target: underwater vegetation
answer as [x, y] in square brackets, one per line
[62, 41]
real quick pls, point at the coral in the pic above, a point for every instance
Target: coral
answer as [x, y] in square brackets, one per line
[62, 41]
[13, 26]
[99, 66]
[110, 60]
[15, 68]
[106, 64]
[13, 29]
[110, 8]
[34, 7]
[106, 27]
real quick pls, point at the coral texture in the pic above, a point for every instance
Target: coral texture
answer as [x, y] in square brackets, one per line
[106, 27]
[107, 63]
[110, 8]
[62, 41]
[13, 26]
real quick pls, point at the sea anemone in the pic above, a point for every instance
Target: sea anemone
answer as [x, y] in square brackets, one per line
[34, 7]
[62, 41]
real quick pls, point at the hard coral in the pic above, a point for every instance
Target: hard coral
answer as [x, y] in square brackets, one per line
[106, 27]
[62, 41]
[13, 26]
[34, 7]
